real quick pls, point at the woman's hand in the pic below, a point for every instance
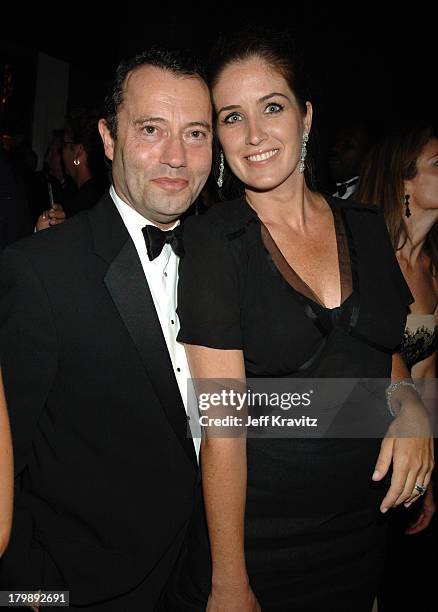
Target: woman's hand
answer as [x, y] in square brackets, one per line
[238, 598]
[411, 457]
[426, 514]
[48, 218]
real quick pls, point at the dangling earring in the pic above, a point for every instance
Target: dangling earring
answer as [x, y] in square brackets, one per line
[76, 162]
[305, 140]
[220, 178]
[407, 209]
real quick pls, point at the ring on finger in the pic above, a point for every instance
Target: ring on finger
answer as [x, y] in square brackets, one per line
[420, 488]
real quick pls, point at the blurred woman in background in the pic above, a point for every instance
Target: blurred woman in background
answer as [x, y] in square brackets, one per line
[84, 163]
[401, 175]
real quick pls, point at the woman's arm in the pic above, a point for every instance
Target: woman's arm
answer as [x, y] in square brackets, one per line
[408, 444]
[6, 473]
[224, 470]
[424, 375]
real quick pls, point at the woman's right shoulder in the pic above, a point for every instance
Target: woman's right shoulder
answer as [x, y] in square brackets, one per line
[221, 218]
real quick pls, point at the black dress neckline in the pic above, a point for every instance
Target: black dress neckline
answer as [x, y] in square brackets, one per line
[323, 318]
[296, 282]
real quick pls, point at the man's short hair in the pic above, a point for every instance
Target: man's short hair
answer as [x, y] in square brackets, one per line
[177, 62]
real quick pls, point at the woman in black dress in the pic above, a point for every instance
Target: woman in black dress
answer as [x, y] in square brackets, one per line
[282, 282]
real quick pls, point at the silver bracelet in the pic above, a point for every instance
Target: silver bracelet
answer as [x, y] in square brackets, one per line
[392, 387]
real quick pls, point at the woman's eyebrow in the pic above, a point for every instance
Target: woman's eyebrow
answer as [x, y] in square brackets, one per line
[262, 99]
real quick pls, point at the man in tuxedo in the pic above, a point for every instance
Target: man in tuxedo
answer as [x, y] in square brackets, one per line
[349, 146]
[106, 473]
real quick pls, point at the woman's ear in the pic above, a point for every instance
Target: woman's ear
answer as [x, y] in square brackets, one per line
[80, 153]
[308, 117]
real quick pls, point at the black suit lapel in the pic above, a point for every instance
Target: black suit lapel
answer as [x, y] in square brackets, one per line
[130, 292]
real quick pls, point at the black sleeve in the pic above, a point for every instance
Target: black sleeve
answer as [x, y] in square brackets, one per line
[208, 292]
[28, 348]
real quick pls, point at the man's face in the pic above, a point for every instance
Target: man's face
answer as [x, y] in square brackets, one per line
[161, 156]
[347, 153]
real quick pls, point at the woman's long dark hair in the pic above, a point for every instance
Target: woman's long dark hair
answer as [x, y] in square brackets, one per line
[385, 168]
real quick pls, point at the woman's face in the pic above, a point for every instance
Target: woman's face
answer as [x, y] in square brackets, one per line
[259, 124]
[69, 153]
[423, 188]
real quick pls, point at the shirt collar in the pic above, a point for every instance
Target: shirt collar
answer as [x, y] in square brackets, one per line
[351, 180]
[132, 219]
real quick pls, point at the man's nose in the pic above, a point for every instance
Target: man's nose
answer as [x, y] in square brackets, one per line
[174, 153]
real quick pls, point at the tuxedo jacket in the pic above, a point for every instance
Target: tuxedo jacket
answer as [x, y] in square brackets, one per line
[15, 218]
[106, 475]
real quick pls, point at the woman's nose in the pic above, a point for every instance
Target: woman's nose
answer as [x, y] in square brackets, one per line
[255, 134]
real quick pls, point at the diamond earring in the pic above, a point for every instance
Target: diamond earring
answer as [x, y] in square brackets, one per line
[220, 178]
[304, 142]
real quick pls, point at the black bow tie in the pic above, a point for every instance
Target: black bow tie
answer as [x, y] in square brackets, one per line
[341, 188]
[156, 238]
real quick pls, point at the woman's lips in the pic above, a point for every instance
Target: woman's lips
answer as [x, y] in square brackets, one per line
[262, 158]
[169, 184]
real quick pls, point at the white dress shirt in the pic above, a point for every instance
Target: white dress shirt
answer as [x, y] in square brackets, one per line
[162, 278]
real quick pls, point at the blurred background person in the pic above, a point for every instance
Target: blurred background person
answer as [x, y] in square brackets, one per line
[84, 160]
[347, 150]
[401, 175]
[84, 163]
[51, 184]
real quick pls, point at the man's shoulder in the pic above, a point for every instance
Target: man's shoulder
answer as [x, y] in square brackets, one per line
[48, 246]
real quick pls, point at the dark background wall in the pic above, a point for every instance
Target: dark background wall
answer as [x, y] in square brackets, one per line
[379, 68]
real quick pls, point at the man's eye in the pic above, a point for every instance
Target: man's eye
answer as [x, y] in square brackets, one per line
[198, 135]
[150, 129]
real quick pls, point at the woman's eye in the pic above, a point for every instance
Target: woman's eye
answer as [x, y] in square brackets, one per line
[233, 118]
[274, 108]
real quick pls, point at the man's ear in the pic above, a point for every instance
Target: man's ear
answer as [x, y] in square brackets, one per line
[107, 139]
